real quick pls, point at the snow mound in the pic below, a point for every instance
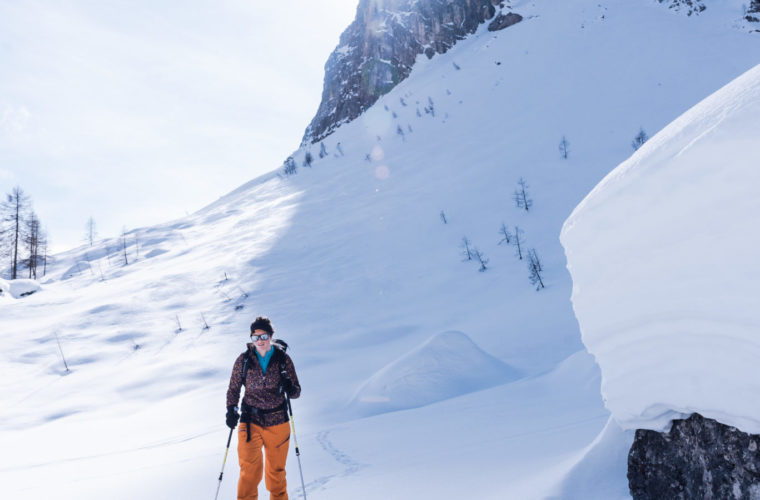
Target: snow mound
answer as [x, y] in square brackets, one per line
[18, 288]
[663, 259]
[448, 364]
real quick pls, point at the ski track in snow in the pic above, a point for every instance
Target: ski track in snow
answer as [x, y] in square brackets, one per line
[351, 465]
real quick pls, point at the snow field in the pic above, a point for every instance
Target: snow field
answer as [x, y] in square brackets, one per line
[353, 264]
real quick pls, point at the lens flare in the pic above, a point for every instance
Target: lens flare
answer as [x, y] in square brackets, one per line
[382, 172]
[377, 153]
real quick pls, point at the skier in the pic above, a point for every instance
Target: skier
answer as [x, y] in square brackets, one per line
[268, 375]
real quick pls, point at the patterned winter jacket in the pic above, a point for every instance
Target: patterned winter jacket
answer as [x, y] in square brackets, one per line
[263, 391]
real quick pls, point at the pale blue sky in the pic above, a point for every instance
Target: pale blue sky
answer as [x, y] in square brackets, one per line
[137, 112]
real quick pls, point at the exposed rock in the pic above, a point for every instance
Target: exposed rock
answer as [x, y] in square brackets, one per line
[501, 21]
[378, 49]
[698, 458]
[688, 6]
[753, 12]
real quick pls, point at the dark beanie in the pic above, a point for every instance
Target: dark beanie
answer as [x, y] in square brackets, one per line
[262, 323]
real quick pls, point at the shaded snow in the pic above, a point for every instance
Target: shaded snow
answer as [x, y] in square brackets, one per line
[600, 465]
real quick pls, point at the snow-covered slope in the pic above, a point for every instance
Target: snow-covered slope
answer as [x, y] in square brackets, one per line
[353, 263]
[663, 258]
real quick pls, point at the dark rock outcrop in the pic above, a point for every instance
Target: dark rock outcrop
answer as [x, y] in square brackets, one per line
[753, 12]
[698, 458]
[378, 49]
[504, 21]
[688, 6]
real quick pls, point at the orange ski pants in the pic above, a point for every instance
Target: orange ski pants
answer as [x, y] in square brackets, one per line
[275, 441]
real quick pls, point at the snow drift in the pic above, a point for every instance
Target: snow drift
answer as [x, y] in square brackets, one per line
[599, 466]
[446, 365]
[663, 259]
[18, 288]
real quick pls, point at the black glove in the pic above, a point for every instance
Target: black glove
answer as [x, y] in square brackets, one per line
[232, 417]
[286, 386]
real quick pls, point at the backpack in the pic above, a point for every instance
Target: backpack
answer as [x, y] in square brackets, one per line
[280, 348]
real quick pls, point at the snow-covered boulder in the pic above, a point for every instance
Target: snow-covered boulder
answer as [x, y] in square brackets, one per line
[448, 364]
[663, 256]
[19, 288]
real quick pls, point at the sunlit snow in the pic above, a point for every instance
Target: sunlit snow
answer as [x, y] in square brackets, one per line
[352, 261]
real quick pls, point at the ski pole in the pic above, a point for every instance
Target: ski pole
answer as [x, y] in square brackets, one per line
[221, 473]
[295, 441]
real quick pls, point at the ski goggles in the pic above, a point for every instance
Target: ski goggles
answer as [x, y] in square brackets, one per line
[263, 336]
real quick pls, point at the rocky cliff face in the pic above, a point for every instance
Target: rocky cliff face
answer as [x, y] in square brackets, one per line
[378, 49]
[698, 458]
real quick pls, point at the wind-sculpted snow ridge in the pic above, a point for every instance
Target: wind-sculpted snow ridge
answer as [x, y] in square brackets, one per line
[446, 365]
[663, 255]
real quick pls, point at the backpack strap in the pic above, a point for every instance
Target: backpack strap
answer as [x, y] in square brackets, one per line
[246, 364]
[279, 351]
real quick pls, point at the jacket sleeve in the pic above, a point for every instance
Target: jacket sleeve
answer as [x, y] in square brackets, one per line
[236, 382]
[291, 371]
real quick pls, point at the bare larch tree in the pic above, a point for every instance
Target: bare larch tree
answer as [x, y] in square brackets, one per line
[481, 258]
[32, 237]
[14, 210]
[91, 231]
[518, 241]
[466, 249]
[564, 147]
[522, 200]
[535, 268]
[124, 245]
[506, 236]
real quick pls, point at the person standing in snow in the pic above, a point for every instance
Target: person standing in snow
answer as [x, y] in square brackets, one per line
[268, 375]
